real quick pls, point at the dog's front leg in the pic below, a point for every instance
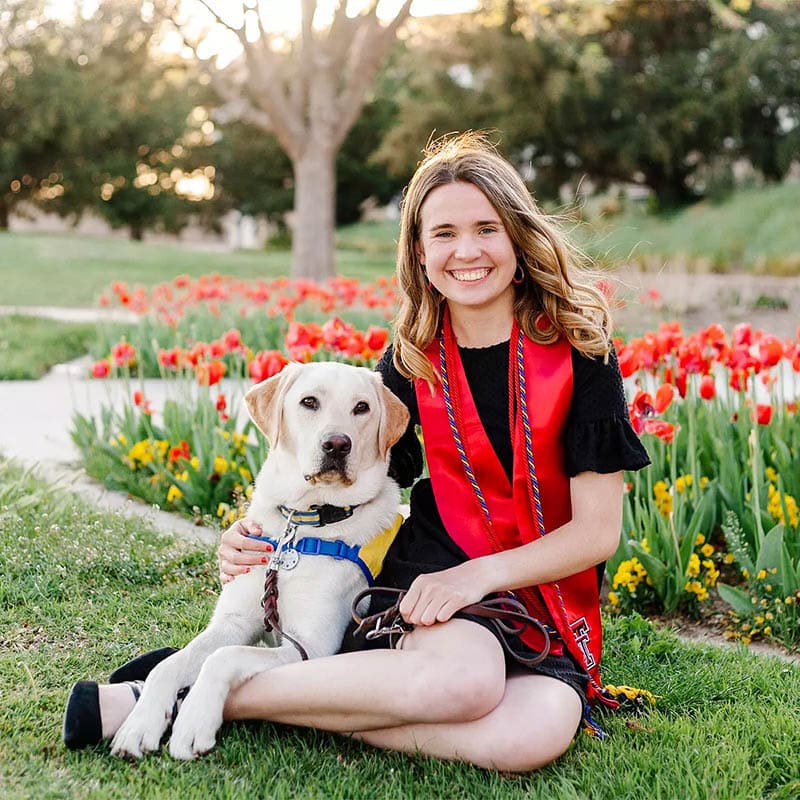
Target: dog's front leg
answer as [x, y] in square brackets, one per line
[194, 731]
[144, 728]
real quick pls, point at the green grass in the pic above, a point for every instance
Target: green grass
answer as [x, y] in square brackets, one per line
[81, 592]
[72, 270]
[754, 229]
[29, 346]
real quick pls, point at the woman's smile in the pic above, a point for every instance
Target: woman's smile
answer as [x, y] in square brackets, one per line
[469, 275]
[467, 254]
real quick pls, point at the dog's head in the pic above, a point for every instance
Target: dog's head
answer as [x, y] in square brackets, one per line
[334, 422]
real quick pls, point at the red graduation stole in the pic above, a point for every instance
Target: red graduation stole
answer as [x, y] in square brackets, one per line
[498, 516]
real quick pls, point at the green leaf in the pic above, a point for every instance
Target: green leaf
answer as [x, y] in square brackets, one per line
[736, 598]
[769, 557]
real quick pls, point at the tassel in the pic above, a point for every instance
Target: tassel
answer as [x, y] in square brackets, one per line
[630, 695]
[590, 725]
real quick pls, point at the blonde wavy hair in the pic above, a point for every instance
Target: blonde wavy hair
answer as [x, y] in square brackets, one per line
[553, 284]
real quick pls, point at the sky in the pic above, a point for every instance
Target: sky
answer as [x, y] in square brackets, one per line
[280, 16]
[283, 16]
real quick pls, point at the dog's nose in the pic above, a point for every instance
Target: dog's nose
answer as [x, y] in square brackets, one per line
[337, 444]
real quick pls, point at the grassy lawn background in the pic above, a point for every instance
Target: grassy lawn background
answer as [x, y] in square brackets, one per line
[753, 229]
[30, 346]
[81, 592]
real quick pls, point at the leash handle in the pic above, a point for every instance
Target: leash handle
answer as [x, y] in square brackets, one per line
[507, 615]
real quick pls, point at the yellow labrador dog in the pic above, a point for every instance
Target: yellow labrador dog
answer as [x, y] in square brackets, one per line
[324, 498]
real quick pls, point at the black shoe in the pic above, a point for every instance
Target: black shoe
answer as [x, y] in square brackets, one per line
[82, 725]
[137, 669]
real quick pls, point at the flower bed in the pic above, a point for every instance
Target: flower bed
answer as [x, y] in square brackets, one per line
[715, 515]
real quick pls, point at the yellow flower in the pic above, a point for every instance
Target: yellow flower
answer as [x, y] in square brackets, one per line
[699, 539]
[645, 545]
[693, 567]
[220, 465]
[761, 574]
[707, 549]
[771, 474]
[174, 494]
[728, 558]
[703, 481]
[123, 439]
[140, 454]
[223, 509]
[246, 474]
[194, 463]
[183, 476]
[613, 598]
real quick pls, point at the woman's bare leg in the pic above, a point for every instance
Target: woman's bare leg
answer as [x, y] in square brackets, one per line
[532, 726]
[452, 672]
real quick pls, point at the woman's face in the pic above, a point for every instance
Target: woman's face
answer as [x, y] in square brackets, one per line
[465, 249]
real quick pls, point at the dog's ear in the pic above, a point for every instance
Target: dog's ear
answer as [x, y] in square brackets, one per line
[394, 420]
[265, 402]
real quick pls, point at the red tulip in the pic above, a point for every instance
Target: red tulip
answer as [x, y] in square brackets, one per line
[658, 427]
[376, 338]
[708, 388]
[266, 364]
[628, 360]
[680, 382]
[221, 403]
[738, 380]
[210, 373]
[100, 369]
[123, 353]
[763, 413]
[232, 339]
[181, 451]
[643, 404]
[171, 358]
[770, 350]
[664, 395]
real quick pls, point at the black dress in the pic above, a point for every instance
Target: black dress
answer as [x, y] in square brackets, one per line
[598, 437]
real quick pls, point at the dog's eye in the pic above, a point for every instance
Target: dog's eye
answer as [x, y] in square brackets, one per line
[310, 402]
[361, 407]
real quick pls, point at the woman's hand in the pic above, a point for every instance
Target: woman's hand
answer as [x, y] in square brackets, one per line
[237, 553]
[436, 596]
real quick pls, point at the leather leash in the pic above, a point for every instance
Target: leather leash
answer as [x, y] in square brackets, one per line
[269, 600]
[507, 615]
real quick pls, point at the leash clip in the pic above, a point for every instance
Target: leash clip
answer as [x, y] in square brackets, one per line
[283, 557]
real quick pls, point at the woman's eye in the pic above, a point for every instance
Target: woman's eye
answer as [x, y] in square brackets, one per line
[361, 407]
[310, 402]
[488, 230]
[443, 235]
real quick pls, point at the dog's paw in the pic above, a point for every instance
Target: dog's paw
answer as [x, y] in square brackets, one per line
[195, 730]
[140, 733]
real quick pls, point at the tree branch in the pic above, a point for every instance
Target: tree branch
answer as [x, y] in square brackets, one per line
[371, 43]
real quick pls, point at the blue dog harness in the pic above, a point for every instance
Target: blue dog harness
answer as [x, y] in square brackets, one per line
[368, 557]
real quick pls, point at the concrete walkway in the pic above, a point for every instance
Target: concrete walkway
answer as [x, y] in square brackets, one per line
[35, 423]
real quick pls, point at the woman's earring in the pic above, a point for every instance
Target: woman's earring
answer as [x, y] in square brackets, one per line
[519, 273]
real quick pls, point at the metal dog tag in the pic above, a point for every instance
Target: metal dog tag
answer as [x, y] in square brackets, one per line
[288, 559]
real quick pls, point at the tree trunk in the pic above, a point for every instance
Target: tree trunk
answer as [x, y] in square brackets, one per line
[314, 213]
[4, 215]
[137, 231]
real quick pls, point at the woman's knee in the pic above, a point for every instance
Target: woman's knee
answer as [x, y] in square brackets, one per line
[461, 685]
[535, 731]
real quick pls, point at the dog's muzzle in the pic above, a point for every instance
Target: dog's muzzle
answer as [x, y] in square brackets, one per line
[335, 448]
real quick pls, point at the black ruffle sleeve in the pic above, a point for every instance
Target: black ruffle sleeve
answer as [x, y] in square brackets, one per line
[405, 460]
[598, 436]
